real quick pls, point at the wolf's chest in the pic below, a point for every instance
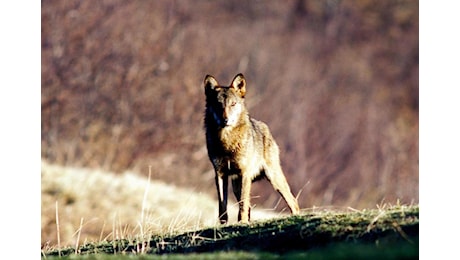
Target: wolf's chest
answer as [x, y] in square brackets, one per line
[233, 142]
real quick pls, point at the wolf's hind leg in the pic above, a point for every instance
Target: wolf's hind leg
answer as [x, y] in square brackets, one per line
[276, 177]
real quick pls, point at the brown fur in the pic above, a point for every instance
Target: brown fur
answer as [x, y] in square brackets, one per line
[240, 147]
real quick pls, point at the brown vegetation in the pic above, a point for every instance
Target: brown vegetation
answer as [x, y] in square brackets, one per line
[336, 81]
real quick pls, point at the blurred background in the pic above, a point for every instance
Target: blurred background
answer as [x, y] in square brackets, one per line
[336, 82]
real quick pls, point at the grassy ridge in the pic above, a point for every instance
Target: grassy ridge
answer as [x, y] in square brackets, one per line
[371, 232]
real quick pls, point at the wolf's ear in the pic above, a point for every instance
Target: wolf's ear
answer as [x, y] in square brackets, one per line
[210, 83]
[239, 83]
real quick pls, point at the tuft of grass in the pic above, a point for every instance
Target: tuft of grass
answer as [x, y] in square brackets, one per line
[372, 232]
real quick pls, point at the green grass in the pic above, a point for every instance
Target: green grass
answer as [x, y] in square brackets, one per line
[386, 233]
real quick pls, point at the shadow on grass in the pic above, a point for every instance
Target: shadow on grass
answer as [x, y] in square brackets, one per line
[380, 233]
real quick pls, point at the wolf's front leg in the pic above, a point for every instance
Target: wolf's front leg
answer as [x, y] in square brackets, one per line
[245, 201]
[237, 186]
[222, 190]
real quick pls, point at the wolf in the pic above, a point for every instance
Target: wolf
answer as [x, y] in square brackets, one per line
[240, 148]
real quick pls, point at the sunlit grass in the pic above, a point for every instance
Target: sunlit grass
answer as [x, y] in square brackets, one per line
[92, 206]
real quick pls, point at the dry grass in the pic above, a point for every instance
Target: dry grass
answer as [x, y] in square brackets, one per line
[393, 230]
[94, 205]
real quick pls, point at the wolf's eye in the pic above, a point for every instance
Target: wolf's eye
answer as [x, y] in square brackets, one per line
[233, 104]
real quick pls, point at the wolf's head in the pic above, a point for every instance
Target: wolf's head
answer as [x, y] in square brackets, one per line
[225, 104]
